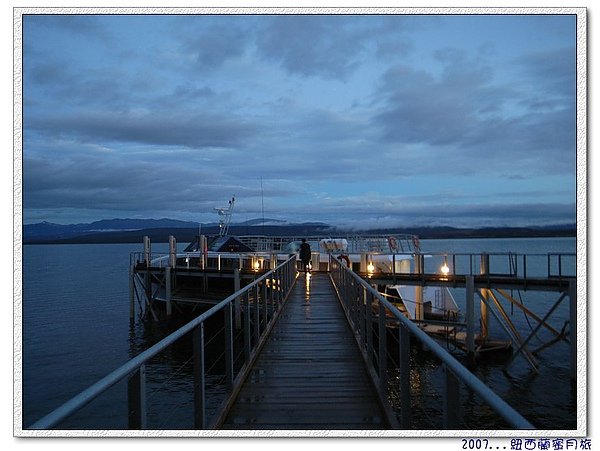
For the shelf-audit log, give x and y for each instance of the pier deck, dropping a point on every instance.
(309, 374)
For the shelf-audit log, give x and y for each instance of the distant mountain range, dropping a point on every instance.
(133, 231)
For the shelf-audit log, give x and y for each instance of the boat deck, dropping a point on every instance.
(310, 373)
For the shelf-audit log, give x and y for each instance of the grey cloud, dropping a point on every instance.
(80, 24)
(351, 212)
(463, 109)
(197, 131)
(555, 69)
(210, 48)
(332, 46)
(312, 45)
(421, 108)
(102, 181)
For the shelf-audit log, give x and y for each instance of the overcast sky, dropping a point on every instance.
(362, 120)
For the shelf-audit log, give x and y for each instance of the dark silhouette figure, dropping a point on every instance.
(305, 255)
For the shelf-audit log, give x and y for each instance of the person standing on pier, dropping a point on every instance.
(305, 255)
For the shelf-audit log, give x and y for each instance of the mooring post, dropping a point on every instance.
(237, 302)
(203, 251)
(147, 250)
(470, 318)
(573, 328)
(172, 251)
(204, 261)
(168, 290)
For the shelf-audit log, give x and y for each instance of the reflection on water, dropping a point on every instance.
(545, 399)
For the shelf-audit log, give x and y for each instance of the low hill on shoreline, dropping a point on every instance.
(126, 231)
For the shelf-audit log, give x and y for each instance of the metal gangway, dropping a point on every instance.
(258, 313)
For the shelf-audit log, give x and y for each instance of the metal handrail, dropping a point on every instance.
(508, 264)
(500, 406)
(76, 403)
(161, 259)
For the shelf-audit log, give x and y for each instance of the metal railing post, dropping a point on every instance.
(363, 317)
(237, 302)
(265, 298)
(199, 378)
(228, 316)
(256, 314)
(136, 399)
(247, 331)
(369, 329)
(382, 350)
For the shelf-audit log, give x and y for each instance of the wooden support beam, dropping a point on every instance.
(528, 312)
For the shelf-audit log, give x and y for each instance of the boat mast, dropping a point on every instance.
(225, 217)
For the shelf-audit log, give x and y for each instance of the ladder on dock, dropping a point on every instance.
(309, 374)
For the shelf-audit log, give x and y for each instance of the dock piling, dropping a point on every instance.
(147, 250)
(485, 270)
(168, 279)
(132, 292)
(419, 269)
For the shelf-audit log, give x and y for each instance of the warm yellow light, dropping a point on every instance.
(257, 265)
(370, 267)
(445, 270)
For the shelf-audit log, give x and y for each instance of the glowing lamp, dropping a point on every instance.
(370, 267)
(445, 270)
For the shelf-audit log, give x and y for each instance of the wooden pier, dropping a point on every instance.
(306, 354)
(310, 373)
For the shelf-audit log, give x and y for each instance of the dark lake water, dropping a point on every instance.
(76, 329)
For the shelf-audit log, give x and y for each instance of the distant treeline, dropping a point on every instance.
(184, 235)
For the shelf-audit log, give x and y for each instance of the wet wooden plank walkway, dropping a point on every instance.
(310, 374)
